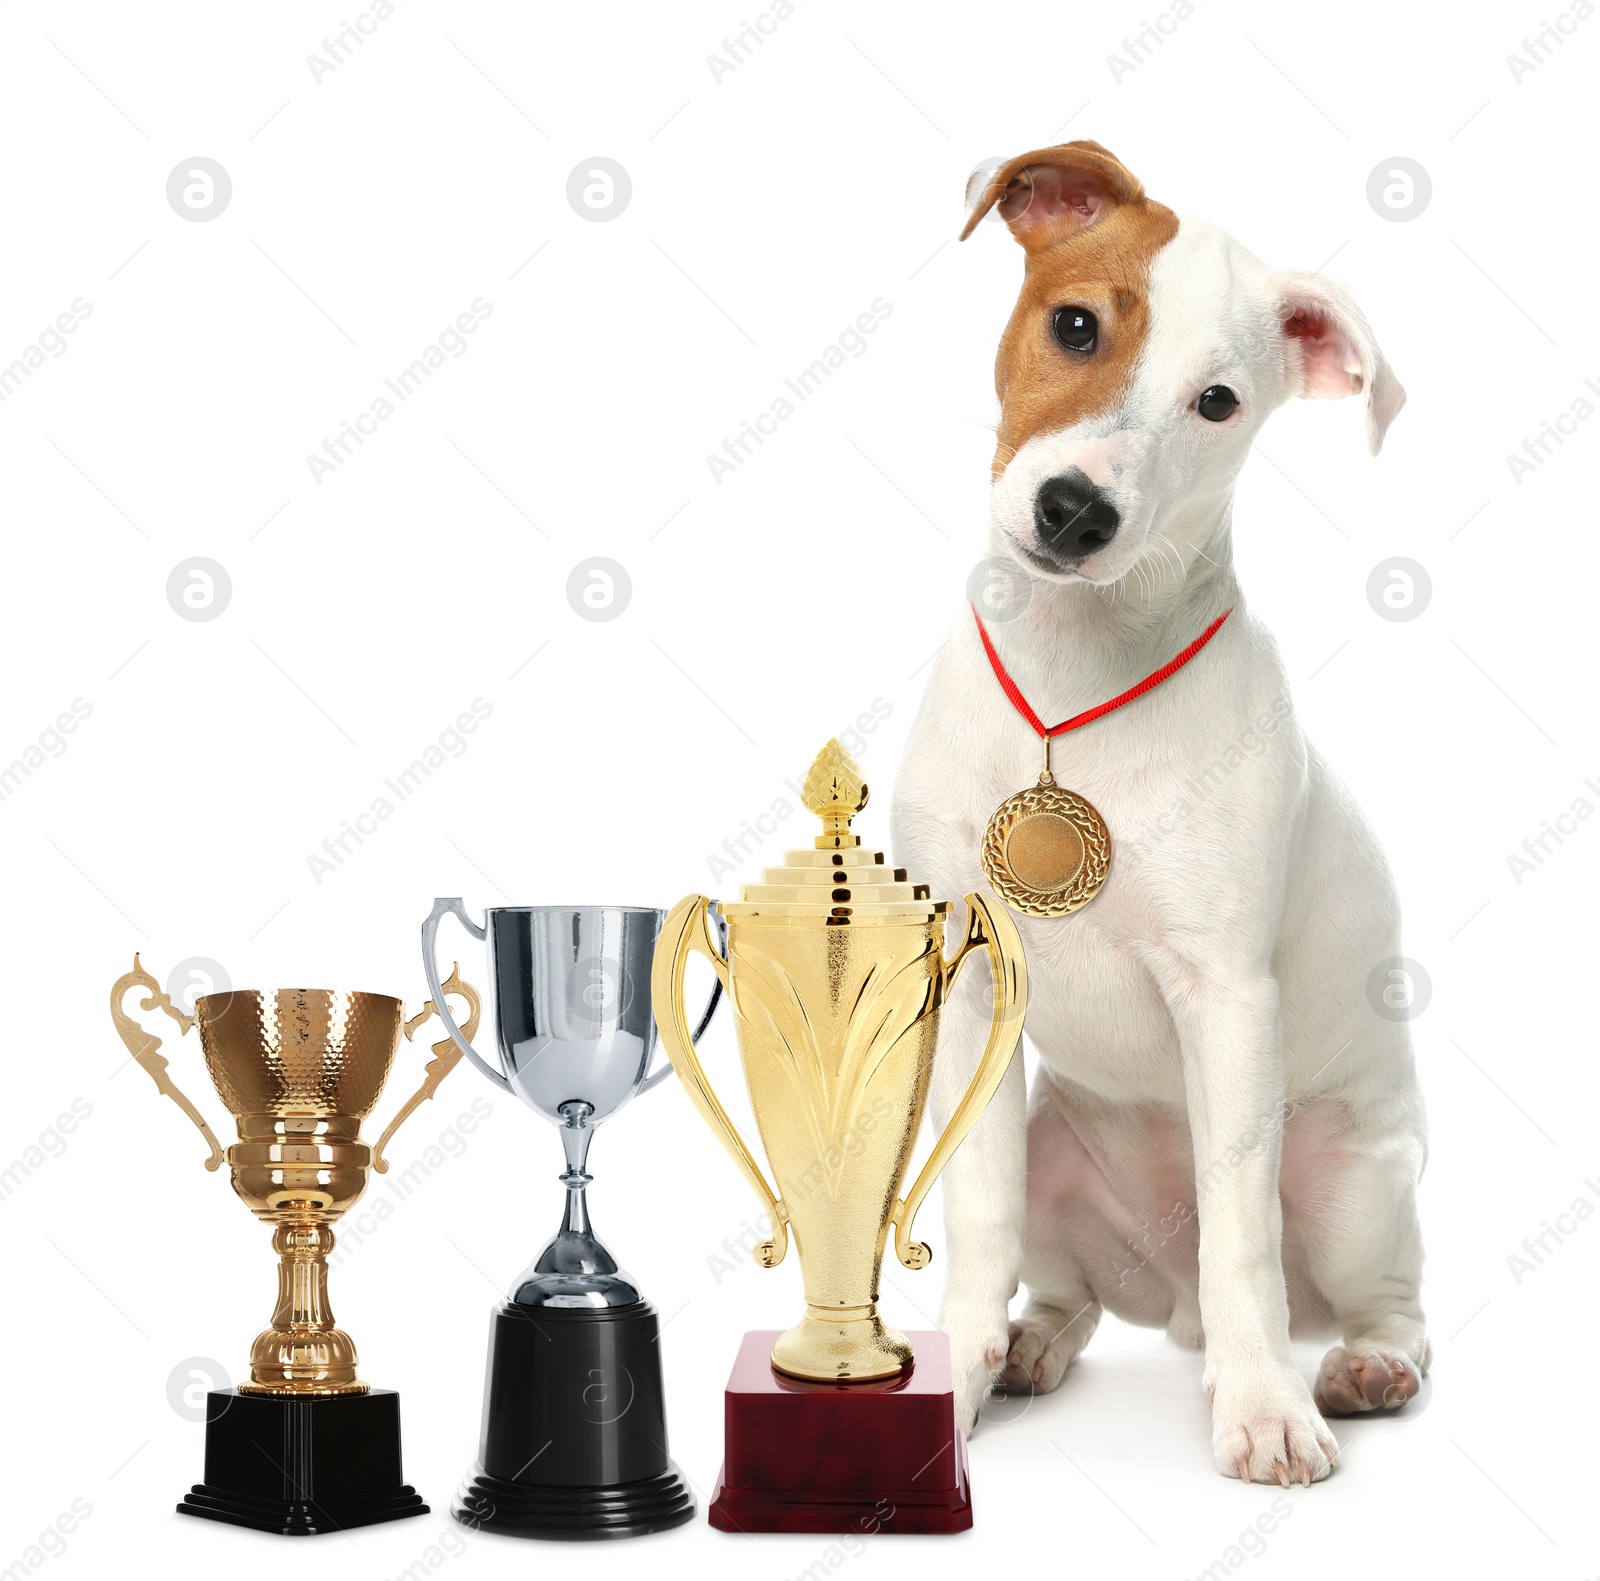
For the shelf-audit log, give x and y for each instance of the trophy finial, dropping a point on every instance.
(835, 791)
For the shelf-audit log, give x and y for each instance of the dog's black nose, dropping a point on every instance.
(1073, 518)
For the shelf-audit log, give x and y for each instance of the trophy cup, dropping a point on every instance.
(304, 1446)
(836, 972)
(574, 1435)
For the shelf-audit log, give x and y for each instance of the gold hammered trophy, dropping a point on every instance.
(836, 972)
(304, 1446)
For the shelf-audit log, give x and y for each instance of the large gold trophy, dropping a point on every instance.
(303, 1445)
(836, 972)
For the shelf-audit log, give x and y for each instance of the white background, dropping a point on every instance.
(769, 209)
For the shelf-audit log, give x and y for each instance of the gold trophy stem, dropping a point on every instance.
(303, 1352)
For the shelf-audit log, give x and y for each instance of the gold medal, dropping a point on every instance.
(1047, 851)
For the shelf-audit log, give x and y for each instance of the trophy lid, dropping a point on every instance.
(838, 881)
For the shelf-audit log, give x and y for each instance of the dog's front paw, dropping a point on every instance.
(979, 1341)
(1044, 1342)
(1269, 1431)
(1365, 1376)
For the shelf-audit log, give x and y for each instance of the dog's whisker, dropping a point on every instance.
(1167, 546)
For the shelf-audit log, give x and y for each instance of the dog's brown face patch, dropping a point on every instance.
(1104, 267)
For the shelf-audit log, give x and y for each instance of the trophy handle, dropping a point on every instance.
(446, 1056)
(991, 928)
(689, 927)
(430, 966)
(145, 1046)
(666, 1070)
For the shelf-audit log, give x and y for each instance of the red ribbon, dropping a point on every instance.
(1154, 679)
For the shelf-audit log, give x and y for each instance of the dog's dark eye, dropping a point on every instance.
(1216, 403)
(1076, 328)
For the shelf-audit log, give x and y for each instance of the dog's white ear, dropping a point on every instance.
(1332, 353)
(1051, 192)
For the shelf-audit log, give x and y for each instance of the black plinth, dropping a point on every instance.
(574, 1438)
(302, 1466)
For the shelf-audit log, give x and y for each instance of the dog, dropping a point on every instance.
(1226, 1132)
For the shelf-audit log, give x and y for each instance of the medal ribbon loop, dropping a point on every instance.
(1088, 716)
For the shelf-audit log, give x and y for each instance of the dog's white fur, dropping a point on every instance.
(1207, 1017)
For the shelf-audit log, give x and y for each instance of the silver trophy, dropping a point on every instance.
(574, 1433)
(572, 1013)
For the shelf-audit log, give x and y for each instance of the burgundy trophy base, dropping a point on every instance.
(842, 1457)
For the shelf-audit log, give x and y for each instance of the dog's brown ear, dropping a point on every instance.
(1332, 351)
(1051, 192)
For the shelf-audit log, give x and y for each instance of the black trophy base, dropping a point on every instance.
(301, 1467)
(625, 1509)
(574, 1443)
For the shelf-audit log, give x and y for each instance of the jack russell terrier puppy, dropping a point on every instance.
(1225, 1136)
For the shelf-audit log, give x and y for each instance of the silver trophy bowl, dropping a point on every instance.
(571, 996)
